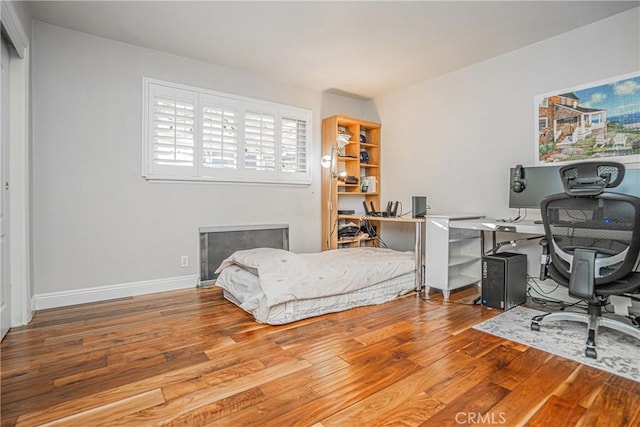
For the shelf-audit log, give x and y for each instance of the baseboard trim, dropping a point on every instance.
(103, 293)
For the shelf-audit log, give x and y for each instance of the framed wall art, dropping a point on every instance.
(592, 121)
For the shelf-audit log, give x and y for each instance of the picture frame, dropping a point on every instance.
(593, 121)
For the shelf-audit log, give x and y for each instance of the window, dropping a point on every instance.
(259, 141)
(543, 122)
(195, 134)
(219, 137)
(293, 144)
(172, 130)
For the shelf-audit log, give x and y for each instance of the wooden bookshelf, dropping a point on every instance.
(364, 136)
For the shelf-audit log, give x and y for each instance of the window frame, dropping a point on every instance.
(200, 173)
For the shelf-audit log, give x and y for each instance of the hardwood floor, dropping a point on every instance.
(190, 358)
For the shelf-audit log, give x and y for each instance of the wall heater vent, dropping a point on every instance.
(217, 243)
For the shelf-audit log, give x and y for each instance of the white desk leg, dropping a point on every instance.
(418, 257)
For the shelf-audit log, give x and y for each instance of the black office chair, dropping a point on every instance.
(593, 239)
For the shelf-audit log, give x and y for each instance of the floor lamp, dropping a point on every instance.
(329, 161)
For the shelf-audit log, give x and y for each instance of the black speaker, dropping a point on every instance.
(419, 206)
(504, 280)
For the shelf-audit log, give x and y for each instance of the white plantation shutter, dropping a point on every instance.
(173, 130)
(259, 141)
(220, 123)
(193, 134)
(294, 144)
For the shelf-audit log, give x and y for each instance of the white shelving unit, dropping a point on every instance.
(453, 255)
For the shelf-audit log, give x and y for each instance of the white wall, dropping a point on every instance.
(96, 222)
(454, 138)
(348, 106)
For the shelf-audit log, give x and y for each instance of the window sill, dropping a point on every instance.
(209, 180)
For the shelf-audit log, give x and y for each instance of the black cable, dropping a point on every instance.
(633, 297)
(382, 243)
(372, 232)
(524, 217)
(368, 228)
(576, 304)
(531, 279)
(582, 304)
(333, 227)
(427, 208)
(518, 218)
(546, 300)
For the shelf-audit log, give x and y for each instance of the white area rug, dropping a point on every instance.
(617, 353)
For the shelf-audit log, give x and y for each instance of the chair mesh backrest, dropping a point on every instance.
(607, 223)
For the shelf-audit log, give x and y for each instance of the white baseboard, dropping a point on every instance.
(103, 293)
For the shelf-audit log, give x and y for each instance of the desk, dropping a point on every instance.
(456, 244)
(488, 224)
(418, 238)
(493, 225)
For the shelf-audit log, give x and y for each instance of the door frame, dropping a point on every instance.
(20, 170)
(6, 302)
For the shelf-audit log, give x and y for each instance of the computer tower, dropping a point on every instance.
(504, 280)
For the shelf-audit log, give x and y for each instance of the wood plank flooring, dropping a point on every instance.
(189, 358)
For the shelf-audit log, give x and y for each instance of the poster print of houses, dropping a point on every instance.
(597, 121)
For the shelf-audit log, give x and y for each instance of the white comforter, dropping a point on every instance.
(286, 276)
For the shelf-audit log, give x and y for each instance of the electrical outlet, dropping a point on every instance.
(184, 261)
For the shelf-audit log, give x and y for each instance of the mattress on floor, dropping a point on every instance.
(286, 276)
(242, 288)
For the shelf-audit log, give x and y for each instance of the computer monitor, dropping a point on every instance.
(630, 184)
(541, 181)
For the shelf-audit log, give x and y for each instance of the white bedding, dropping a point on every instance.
(278, 286)
(243, 289)
(286, 276)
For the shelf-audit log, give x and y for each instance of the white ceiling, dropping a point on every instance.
(362, 48)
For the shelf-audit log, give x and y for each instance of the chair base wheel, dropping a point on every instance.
(591, 352)
(535, 326)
